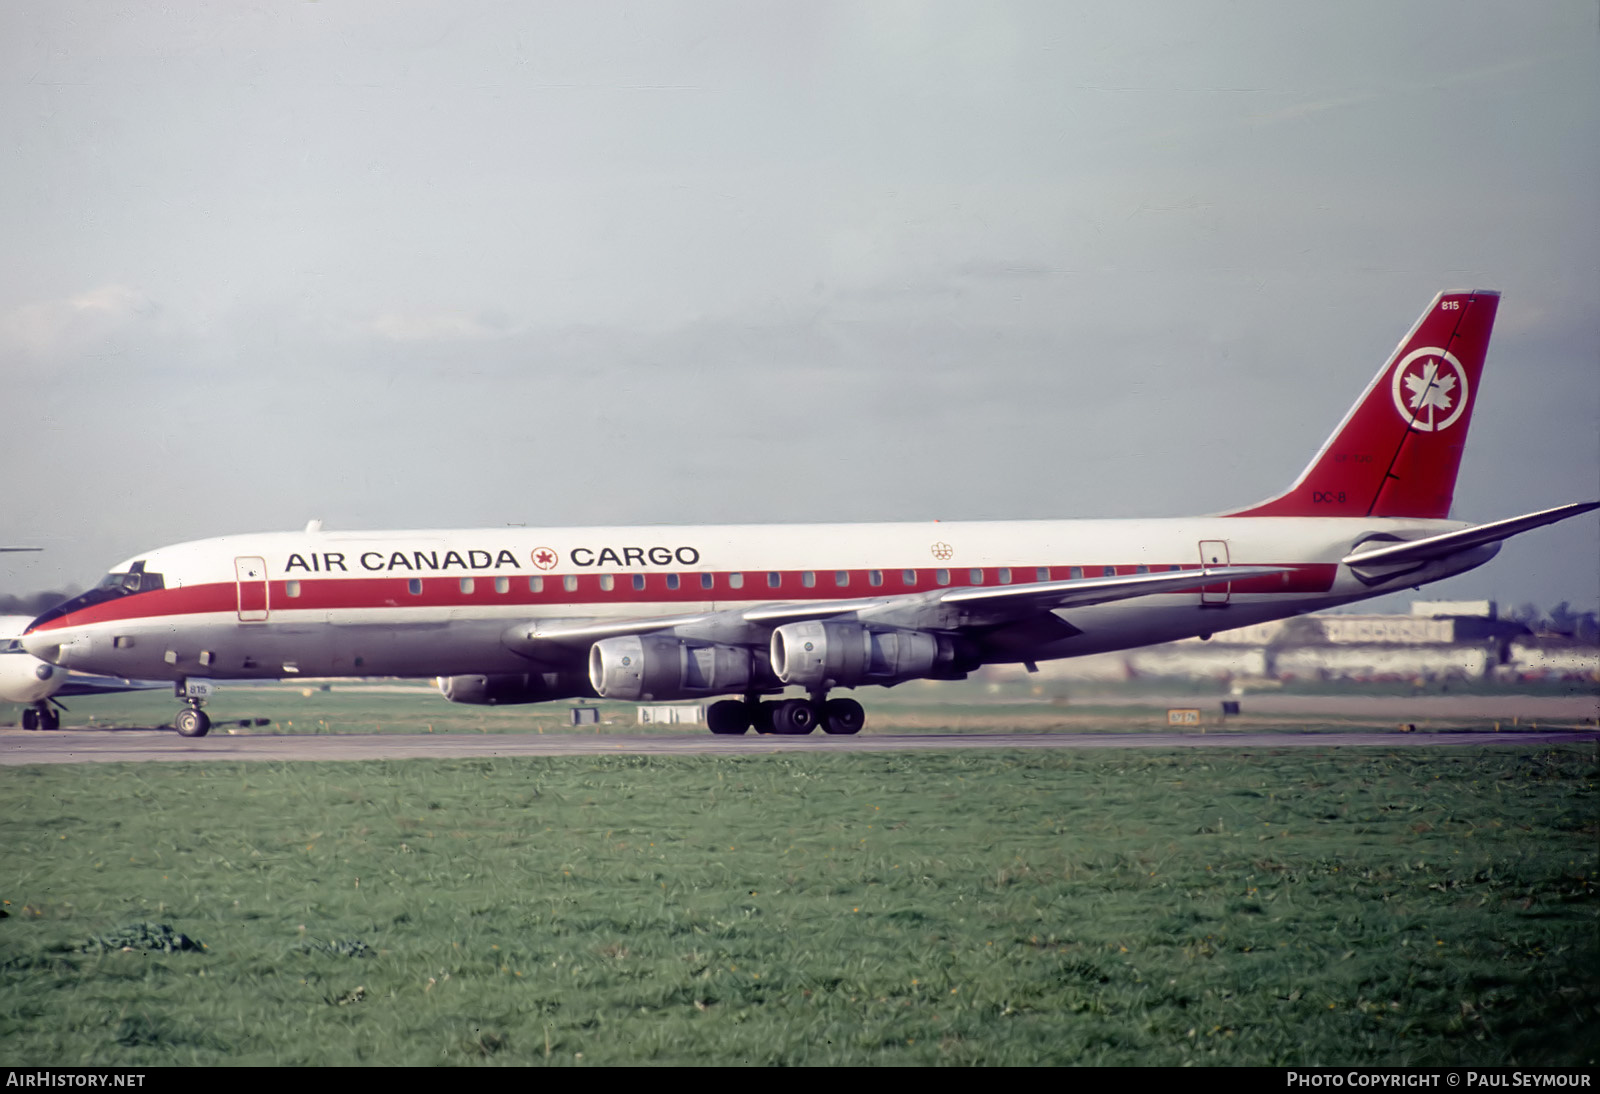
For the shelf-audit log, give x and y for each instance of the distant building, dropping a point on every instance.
(1392, 630)
(1439, 639)
(672, 715)
(1550, 659)
(1434, 609)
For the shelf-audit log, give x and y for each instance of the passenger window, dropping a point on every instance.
(974, 577)
(1075, 573)
(774, 579)
(672, 581)
(467, 584)
(908, 577)
(1143, 570)
(638, 583)
(570, 583)
(1110, 571)
(1042, 574)
(841, 578)
(874, 577)
(291, 588)
(536, 584)
(735, 580)
(502, 585)
(809, 579)
(415, 586)
(1005, 575)
(942, 577)
(706, 581)
(607, 583)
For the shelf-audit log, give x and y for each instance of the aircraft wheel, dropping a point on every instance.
(192, 723)
(49, 719)
(843, 716)
(794, 717)
(728, 717)
(30, 718)
(761, 716)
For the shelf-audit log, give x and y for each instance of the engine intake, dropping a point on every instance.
(659, 666)
(509, 688)
(819, 655)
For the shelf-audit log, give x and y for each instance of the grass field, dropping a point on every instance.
(1320, 906)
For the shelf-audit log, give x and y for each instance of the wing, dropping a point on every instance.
(83, 683)
(562, 642)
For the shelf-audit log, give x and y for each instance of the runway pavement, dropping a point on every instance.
(1411, 708)
(140, 746)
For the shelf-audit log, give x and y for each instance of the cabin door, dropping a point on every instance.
(1213, 553)
(250, 574)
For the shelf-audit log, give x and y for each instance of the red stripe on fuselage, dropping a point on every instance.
(376, 593)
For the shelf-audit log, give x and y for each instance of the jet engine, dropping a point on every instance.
(508, 688)
(818, 655)
(659, 666)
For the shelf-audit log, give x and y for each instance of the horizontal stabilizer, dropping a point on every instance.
(1441, 546)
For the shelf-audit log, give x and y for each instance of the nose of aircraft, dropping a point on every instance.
(45, 645)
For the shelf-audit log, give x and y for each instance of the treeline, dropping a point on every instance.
(34, 603)
(1560, 620)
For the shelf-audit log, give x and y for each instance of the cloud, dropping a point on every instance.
(77, 324)
(441, 326)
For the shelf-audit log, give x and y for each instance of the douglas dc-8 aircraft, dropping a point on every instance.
(663, 613)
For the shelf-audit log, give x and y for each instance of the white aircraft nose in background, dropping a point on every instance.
(26, 679)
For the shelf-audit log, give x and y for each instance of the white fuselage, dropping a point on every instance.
(439, 603)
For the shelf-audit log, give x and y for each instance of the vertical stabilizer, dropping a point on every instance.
(1397, 451)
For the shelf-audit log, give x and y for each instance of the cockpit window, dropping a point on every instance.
(135, 581)
(111, 587)
(122, 584)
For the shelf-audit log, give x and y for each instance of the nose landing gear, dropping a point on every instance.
(41, 716)
(192, 722)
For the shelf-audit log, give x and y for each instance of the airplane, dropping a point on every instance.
(40, 685)
(518, 615)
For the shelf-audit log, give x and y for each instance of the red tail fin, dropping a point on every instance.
(1397, 452)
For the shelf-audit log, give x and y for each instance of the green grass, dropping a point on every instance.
(1315, 906)
(922, 707)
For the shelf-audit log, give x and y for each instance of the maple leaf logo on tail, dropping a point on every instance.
(1438, 389)
(1428, 388)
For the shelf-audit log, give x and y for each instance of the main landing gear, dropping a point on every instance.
(786, 717)
(41, 716)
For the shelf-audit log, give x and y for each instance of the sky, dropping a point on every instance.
(399, 265)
